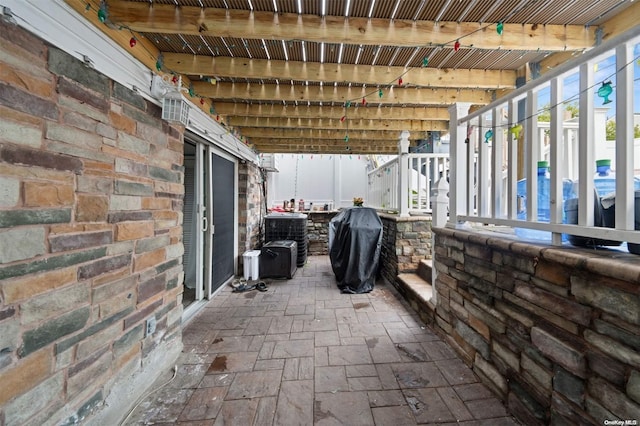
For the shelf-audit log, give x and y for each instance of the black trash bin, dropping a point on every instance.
(599, 219)
(610, 219)
(355, 239)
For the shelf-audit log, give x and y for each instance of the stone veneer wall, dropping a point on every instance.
(553, 331)
(405, 241)
(90, 238)
(251, 207)
(318, 232)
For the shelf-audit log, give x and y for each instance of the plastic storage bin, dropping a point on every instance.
(278, 259)
(251, 260)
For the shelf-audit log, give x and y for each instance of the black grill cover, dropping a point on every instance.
(355, 238)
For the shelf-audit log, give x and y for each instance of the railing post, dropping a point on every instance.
(440, 203)
(458, 165)
(403, 173)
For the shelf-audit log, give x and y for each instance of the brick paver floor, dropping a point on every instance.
(302, 353)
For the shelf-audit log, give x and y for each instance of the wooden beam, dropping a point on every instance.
(332, 123)
(145, 51)
(326, 134)
(375, 76)
(289, 93)
(618, 24)
(335, 112)
(214, 22)
(323, 148)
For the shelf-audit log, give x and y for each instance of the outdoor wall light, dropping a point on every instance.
(174, 106)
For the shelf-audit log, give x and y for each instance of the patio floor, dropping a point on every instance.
(302, 353)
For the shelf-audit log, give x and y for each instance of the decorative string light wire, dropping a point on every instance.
(103, 15)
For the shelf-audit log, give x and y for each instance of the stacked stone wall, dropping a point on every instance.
(553, 331)
(405, 242)
(318, 232)
(251, 207)
(91, 190)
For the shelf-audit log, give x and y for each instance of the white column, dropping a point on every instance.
(586, 146)
(557, 163)
(624, 138)
(512, 199)
(532, 151)
(337, 178)
(484, 161)
(458, 162)
(497, 163)
(403, 173)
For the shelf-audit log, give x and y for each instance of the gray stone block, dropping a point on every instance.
(13, 218)
(53, 303)
(66, 242)
(51, 263)
(20, 410)
(569, 385)
(164, 174)
(14, 98)
(633, 386)
(62, 63)
(54, 329)
(473, 338)
(559, 351)
(618, 303)
(103, 265)
(129, 96)
(133, 188)
(21, 244)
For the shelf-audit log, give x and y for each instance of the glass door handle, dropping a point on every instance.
(205, 224)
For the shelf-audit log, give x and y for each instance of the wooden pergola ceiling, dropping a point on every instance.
(281, 72)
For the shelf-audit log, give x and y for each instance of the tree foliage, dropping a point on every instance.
(611, 130)
(545, 114)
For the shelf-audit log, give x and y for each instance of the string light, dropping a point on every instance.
(102, 12)
(159, 62)
(605, 91)
(344, 117)
(488, 135)
(515, 130)
(103, 15)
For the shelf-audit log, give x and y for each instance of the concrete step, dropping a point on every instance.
(424, 269)
(418, 292)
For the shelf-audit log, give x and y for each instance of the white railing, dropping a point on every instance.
(382, 186)
(422, 171)
(491, 133)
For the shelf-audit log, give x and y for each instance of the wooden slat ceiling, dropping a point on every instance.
(282, 72)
